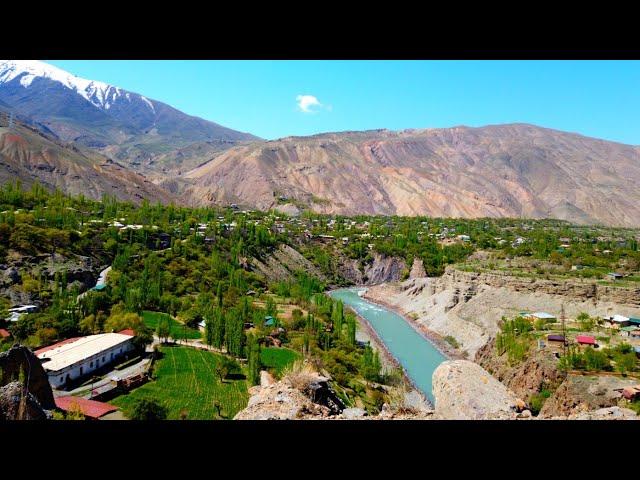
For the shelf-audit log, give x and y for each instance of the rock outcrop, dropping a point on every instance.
(19, 362)
(538, 371)
(463, 390)
(16, 403)
(417, 269)
(579, 394)
(282, 264)
(381, 269)
(610, 413)
(300, 395)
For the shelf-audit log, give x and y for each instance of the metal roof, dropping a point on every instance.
(542, 315)
(89, 408)
(585, 339)
(65, 354)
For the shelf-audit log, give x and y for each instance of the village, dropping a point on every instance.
(104, 366)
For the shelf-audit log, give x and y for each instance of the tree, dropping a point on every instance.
(625, 362)
(225, 366)
(351, 329)
(234, 332)
(337, 316)
(219, 294)
(586, 322)
(148, 409)
(163, 330)
(75, 412)
(253, 359)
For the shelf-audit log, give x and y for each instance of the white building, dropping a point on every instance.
(616, 321)
(540, 316)
(17, 312)
(78, 357)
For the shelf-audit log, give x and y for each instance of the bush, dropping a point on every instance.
(148, 409)
(536, 401)
(452, 341)
(595, 359)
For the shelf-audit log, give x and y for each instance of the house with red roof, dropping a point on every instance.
(4, 334)
(91, 409)
(586, 340)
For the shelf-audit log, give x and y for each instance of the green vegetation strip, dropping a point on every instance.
(186, 382)
(177, 329)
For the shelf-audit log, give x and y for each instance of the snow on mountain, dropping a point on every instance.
(100, 94)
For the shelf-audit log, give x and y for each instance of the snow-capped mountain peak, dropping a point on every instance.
(100, 94)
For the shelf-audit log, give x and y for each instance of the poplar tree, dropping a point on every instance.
(253, 359)
(219, 294)
(351, 329)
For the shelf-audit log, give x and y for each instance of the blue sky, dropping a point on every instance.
(274, 99)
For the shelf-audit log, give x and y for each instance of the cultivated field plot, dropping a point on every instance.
(278, 358)
(178, 330)
(186, 381)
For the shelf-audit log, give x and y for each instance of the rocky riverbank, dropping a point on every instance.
(445, 348)
(468, 306)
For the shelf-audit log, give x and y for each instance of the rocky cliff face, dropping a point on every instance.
(537, 372)
(18, 404)
(282, 264)
(20, 360)
(305, 396)
(579, 394)
(463, 390)
(381, 269)
(576, 290)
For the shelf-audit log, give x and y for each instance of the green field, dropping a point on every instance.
(277, 358)
(186, 380)
(178, 330)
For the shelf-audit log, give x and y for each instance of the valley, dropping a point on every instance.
(237, 283)
(156, 265)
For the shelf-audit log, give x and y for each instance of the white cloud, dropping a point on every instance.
(309, 104)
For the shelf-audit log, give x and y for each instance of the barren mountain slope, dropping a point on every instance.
(27, 155)
(495, 171)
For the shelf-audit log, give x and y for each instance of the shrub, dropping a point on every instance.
(452, 341)
(536, 401)
(148, 409)
(595, 359)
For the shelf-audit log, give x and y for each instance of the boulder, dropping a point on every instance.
(463, 390)
(353, 413)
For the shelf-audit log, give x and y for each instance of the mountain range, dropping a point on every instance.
(514, 170)
(122, 141)
(144, 134)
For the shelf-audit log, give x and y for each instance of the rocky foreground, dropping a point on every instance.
(463, 390)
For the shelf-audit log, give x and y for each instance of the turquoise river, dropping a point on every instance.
(415, 353)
